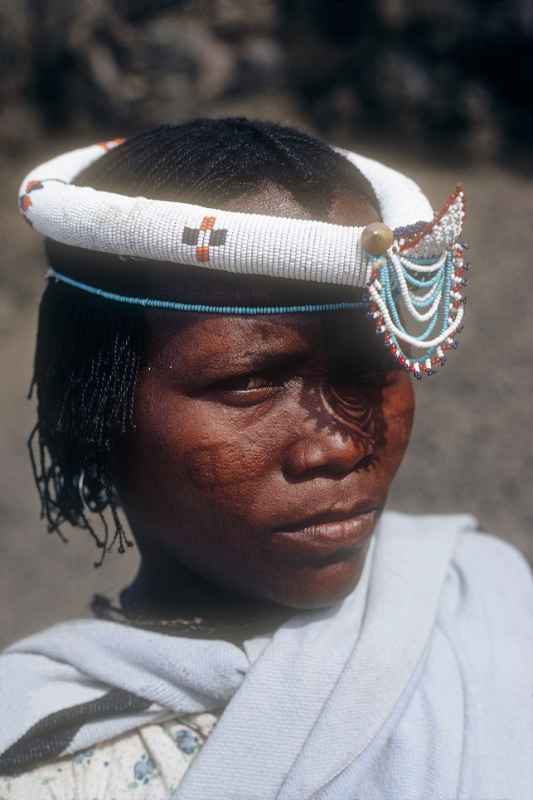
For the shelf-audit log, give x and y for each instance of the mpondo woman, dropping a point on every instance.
(284, 637)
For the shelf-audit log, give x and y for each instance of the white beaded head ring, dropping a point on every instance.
(411, 265)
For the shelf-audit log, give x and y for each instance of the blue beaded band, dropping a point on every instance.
(172, 305)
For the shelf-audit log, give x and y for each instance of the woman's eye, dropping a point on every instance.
(380, 370)
(247, 390)
(371, 378)
(245, 383)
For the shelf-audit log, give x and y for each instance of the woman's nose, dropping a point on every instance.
(334, 452)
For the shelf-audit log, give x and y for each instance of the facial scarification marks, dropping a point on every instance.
(348, 406)
(349, 410)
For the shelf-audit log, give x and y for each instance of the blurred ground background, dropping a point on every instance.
(440, 90)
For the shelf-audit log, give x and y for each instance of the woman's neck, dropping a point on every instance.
(165, 590)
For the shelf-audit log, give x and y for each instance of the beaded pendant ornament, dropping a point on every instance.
(420, 277)
(411, 264)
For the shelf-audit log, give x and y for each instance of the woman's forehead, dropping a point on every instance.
(203, 341)
(199, 335)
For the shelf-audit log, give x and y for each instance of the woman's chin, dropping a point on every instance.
(319, 585)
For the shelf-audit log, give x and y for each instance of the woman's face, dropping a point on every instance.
(264, 449)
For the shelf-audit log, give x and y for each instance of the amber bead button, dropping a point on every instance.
(377, 238)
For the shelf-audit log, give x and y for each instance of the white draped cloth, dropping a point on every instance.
(417, 686)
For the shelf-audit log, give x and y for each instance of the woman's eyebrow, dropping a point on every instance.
(253, 359)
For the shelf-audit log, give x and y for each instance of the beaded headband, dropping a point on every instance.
(411, 264)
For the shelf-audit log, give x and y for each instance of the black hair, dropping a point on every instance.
(89, 350)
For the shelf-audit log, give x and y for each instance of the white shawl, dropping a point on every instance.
(417, 686)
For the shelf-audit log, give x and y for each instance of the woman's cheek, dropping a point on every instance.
(206, 443)
(221, 445)
(227, 458)
(398, 413)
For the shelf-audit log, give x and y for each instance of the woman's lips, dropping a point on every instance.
(326, 542)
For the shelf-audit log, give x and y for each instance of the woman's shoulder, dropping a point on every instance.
(487, 578)
(482, 553)
(489, 559)
(488, 590)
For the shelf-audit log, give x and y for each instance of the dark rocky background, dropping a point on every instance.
(450, 77)
(440, 90)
